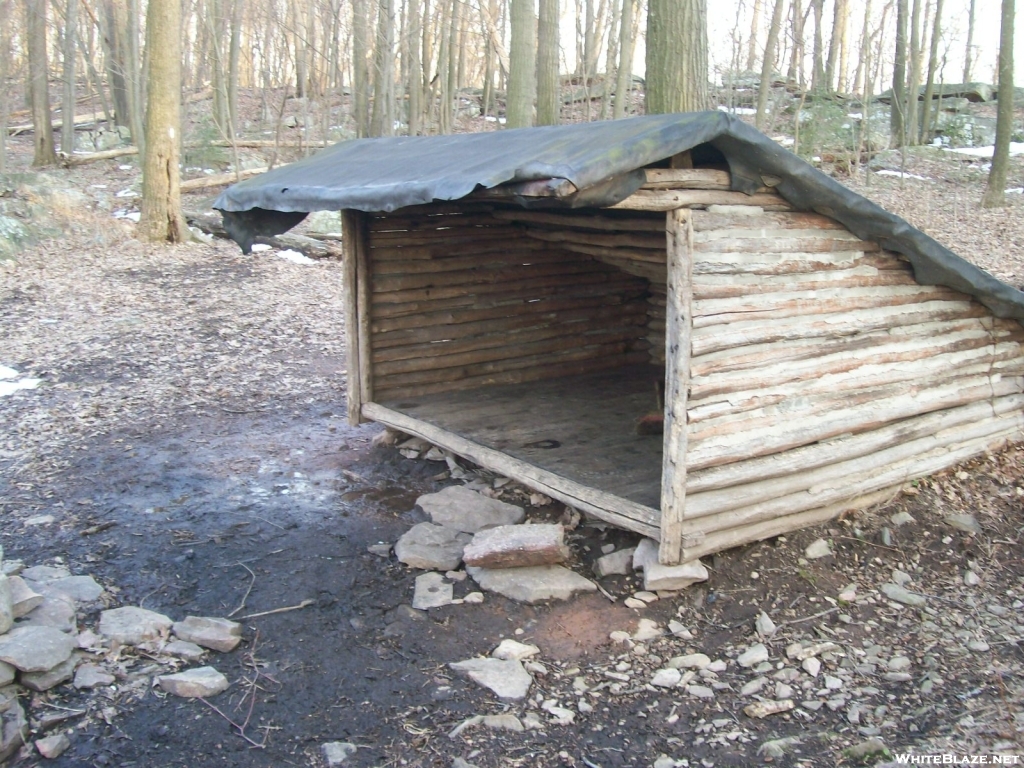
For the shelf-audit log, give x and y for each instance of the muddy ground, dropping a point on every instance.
(189, 442)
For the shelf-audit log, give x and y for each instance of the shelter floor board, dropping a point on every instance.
(582, 428)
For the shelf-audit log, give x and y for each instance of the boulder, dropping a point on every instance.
(218, 634)
(194, 683)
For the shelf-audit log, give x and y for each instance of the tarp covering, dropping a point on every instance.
(390, 173)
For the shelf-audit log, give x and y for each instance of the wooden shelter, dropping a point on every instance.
(807, 370)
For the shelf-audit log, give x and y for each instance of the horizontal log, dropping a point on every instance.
(632, 240)
(847, 447)
(515, 295)
(925, 457)
(219, 179)
(653, 272)
(395, 390)
(763, 232)
(633, 254)
(541, 188)
(719, 220)
(607, 223)
(860, 277)
(415, 260)
(564, 350)
(740, 333)
(610, 277)
(604, 506)
(687, 178)
(410, 342)
(76, 159)
(749, 265)
(773, 306)
(755, 356)
(802, 244)
(669, 200)
(792, 433)
(422, 222)
(470, 279)
(436, 237)
(437, 360)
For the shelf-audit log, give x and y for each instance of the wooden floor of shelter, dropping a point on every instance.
(580, 427)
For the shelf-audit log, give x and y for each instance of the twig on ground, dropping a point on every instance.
(240, 728)
(808, 618)
(246, 595)
(303, 604)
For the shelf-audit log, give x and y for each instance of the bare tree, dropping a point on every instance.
(360, 66)
(818, 81)
(995, 191)
(624, 76)
(898, 103)
(39, 89)
(969, 47)
(6, 10)
(677, 56)
(914, 77)
(382, 119)
(67, 108)
(755, 24)
(548, 96)
(933, 64)
(522, 65)
(768, 63)
(161, 218)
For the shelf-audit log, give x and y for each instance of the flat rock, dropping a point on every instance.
(337, 752)
(965, 523)
(6, 604)
(754, 655)
(13, 726)
(23, 598)
(131, 625)
(647, 629)
(618, 563)
(503, 723)
(431, 547)
(764, 625)
(183, 649)
(462, 509)
(209, 632)
(817, 549)
(509, 649)
(194, 683)
(517, 546)
(667, 678)
(898, 594)
(7, 674)
(665, 577)
(507, 679)
(432, 591)
(51, 678)
(41, 574)
(690, 661)
(762, 709)
(902, 518)
(57, 611)
(54, 746)
(700, 691)
(35, 649)
(89, 676)
(84, 589)
(533, 584)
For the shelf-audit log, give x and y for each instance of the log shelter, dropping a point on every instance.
(813, 351)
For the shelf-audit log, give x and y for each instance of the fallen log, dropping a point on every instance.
(220, 179)
(313, 247)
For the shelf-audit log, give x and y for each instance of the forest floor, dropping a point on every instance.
(188, 448)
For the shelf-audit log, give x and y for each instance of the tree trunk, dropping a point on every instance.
(795, 73)
(898, 103)
(995, 192)
(234, 57)
(360, 68)
(522, 65)
(929, 85)
(414, 84)
(444, 106)
(611, 58)
(914, 78)
(768, 63)
(624, 76)
(818, 66)
(968, 49)
(161, 218)
(589, 43)
(755, 23)
(677, 56)
(67, 109)
(548, 101)
(134, 70)
(862, 72)
(5, 68)
(382, 121)
(39, 89)
(842, 29)
(834, 45)
(454, 53)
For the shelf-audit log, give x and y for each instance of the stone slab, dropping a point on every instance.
(45, 573)
(56, 610)
(13, 726)
(465, 510)
(517, 546)
(7, 673)
(431, 547)
(512, 649)
(433, 590)
(84, 589)
(507, 679)
(194, 683)
(35, 649)
(131, 625)
(533, 584)
(52, 747)
(23, 597)
(618, 563)
(209, 632)
(184, 650)
(89, 676)
(51, 678)
(6, 604)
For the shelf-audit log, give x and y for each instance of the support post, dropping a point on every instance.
(356, 276)
(679, 324)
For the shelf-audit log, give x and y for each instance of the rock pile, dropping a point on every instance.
(42, 647)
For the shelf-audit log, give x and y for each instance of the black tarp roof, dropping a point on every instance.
(390, 173)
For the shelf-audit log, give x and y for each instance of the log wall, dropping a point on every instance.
(460, 298)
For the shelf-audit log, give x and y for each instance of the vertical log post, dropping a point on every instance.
(679, 323)
(356, 275)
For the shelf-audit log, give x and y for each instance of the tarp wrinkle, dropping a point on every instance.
(603, 160)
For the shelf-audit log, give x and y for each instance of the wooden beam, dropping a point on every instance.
(350, 227)
(670, 199)
(679, 319)
(600, 504)
(364, 287)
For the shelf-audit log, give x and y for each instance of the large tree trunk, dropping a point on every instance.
(933, 64)
(863, 67)
(624, 76)
(360, 68)
(898, 103)
(795, 73)
(995, 192)
(677, 56)
(161, 196)
(414, 83)
(67, 109)
(6, 7)
(914, 77)
(39, 88)
(755, 24)
(768, 63)
(522, 65)
(548, 101)
(968, 48)
(818, 65)
(382, 121)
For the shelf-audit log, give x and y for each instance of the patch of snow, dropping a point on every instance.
(123, 213)
(127, 193)
(901, 174)
(786, 141)
(124, 167)
(7, 373)
(260, 247)
(295, 257)
(1015, 191)
(492, 119)
(1016, 148)
(856, 115)
(738, 110)
(97, 186)
(9, 387)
